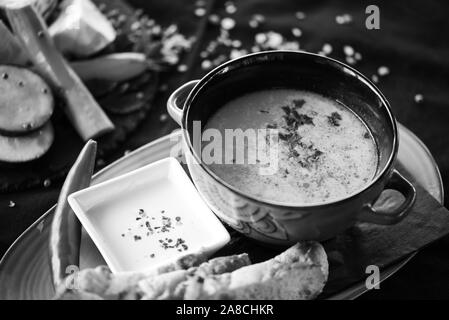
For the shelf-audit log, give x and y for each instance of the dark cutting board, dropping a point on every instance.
(55, 164)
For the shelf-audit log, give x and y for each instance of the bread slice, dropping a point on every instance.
(100, 282)
(162, 283)
(170, 286)
(300, 273)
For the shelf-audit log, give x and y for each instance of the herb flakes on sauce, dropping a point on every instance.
(151, 226)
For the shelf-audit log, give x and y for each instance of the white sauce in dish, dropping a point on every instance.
(141, 236)
(148, 218)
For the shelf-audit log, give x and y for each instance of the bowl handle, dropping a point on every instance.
(176, 101)
(386, 217)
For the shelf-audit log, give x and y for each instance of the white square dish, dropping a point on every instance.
(147, 218)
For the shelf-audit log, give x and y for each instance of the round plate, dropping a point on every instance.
(24, 270)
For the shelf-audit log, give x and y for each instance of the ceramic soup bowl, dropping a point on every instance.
(272, 222)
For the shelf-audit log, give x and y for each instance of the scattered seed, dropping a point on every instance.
(122, 18)
(135, 26)
(206, 65)
(383, 71)
(200, 12)
(12, 204)
(253, 24)
(212, 46)
(375, 78)
(230, 7)
(339, 20)
(146, 36)
(327, 48)
(124, 87)
(343, 19)
(5, 76)
(47, 183)
(274, 39)
(237, 53)
(214, 19)
(261, 38)
(300, 15)
(259, 18)
(163, 118)
(40, 34)
(256, 20)
(228, 23)
(102, 7)
(200, 3)
(100, 163)
(348, 50)
(219, 60)
(297, 32)
(419, 98)
(182, 68)
(236, 43)
(351, 61)
(358, 56)
(255, 49)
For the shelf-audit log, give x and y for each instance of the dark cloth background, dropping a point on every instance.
(413, 42)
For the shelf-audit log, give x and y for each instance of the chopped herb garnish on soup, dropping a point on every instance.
(315, 162)
(334, 119)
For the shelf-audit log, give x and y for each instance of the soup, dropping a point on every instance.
(325, 152)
